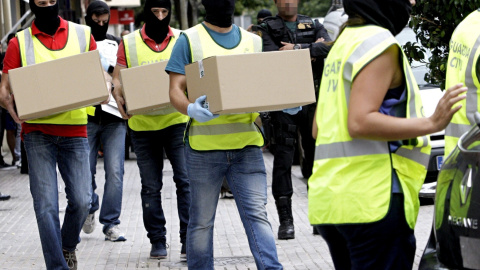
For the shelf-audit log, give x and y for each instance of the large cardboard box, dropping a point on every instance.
(253, 82)
(58, 86)
(145, 88)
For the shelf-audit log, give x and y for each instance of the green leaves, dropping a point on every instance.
(434, 22)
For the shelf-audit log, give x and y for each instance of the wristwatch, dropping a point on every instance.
(297, 47)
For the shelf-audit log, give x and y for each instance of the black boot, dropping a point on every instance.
(284, 208)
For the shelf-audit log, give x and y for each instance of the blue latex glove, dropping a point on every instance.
(198, 112)
(292, 111)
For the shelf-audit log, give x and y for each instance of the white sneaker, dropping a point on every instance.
(114, 234)
(17, 163)
(89, 225)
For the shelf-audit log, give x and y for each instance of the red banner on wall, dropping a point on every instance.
(126, 16)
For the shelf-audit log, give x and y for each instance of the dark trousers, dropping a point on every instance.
(149, 147)
(285, 128)
(385, 244)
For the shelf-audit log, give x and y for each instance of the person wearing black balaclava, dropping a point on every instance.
(221, 146)
(107, 130)
(58, 140)
(156, 132)
(290, 31)
(372, 149)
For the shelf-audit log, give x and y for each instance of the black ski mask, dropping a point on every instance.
(46, 18)
(390, 14)
(157, 29)
(99, 32)
(219, 12)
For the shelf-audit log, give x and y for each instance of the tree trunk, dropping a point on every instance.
(193, 12)
(183, 14)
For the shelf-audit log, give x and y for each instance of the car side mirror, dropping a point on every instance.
(476, 116)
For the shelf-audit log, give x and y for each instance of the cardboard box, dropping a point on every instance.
(145, 88)
(253, 82)
(58, 86)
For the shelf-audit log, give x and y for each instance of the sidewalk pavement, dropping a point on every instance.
(20, 243)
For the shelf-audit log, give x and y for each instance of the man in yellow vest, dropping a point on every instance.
(464, 66)
(151, 134)
(221, 146)
(372, 147)
(60, 139)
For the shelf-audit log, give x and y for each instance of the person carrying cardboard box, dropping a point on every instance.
(60, 139)
(151, 134)
(221, 146)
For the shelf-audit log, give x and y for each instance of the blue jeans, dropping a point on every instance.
(44, 152)
(245, 173)
(112, 137)
(149, 146)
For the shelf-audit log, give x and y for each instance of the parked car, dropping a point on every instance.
(455, 239)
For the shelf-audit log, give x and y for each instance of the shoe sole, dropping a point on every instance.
(157, 257)
(286, 237)
(119, 239)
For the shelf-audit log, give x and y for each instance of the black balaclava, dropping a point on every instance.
(97, 7)
(157, 29)
(219, 12)
(262, 14)
(390, 14)
(46, 18)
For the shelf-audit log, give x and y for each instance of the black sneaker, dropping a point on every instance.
(5, 167)
(4, 197)
(159, 250)
(71, 259)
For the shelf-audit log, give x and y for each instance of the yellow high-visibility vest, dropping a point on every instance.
(462, 66)
(227, 132)
(32, 51)
(351, 181)
(138, 53)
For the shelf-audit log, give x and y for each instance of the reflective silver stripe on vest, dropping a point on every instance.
(166, 111)
(257, 45)
(80, 30)
(456, 130)
(29, 51)
(414, 154)
(195, 44)
(472, 93)
(360, 51)
(356, 147)
(412, 105)
(222, 129)
(132, 50)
